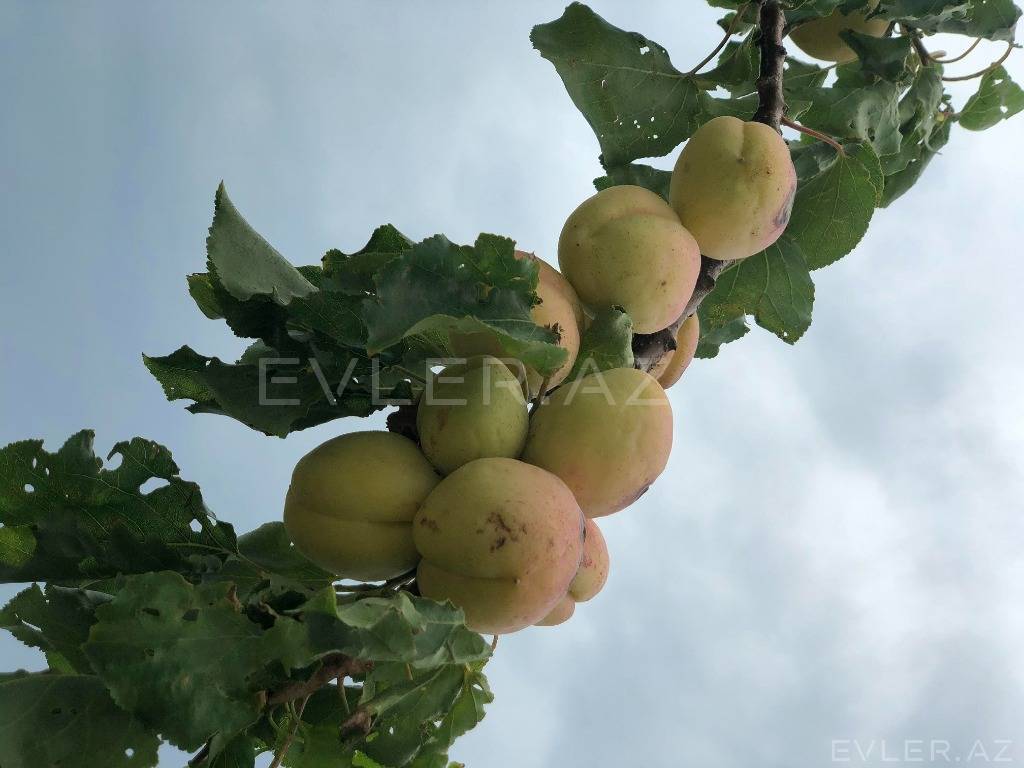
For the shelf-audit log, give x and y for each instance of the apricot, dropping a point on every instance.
(672, 366)
(625, 247)
(733, 187)
(500, 539)
(472, 410)
(589, 579)
(351, 503)
(820, 38)
(608, 435)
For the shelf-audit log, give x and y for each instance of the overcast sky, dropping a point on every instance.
(833, 556)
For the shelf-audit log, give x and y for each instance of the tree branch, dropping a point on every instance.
(334, 665)
(648, 349)
(771, 100)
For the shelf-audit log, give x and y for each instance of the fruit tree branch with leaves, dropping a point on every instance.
(355, 631)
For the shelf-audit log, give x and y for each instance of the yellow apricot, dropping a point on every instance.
(733, 187)
(672, 366)
(593, 571)
(472, 410)
(500, 539)
(820, 38)
(560, 614)
(351, 503)
(608, 435)
(625, 247)
(589, 579)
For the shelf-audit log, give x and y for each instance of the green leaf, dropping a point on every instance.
(400, 628)
(884, 57)
(240, 752)
(54, 621)
(353, 273)
(182, 659)
(990, 19)
(437, 289)
(856, 111)
(712, 337)
(998, 98)
(279, 394)
(645, 176)
(774, 286)
(607, 343)
(637, 102)
(89, 522)
(59, 721)
(898, 183)
(833, 208)
(245, 264)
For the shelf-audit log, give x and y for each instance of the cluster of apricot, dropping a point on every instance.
(494, 506)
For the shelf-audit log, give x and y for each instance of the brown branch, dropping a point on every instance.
(771, 100)
(334, 665)
(648, 349)
(919, 47)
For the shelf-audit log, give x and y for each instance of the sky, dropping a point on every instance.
(828, 572)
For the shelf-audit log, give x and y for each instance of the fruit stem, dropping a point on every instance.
(771, 99)
(816, 134)
(961, 57)
(292, 730)
(728, 35)
(981, 73)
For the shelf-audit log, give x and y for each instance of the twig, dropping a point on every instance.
(728, 35)
(919, 47)
(648, 349)
(771, 100)
(200, 756)
(981, 73)
(539, 399)
(335, 665)
(961, 57)
(494, 643)
(287, 744)
(816, 134)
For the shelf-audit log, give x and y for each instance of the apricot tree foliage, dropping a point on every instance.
(158, 623)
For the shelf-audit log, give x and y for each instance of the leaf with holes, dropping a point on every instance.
(637, 102)
(77, 520)
(997, 99)
(56, 721)
(183, 659)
